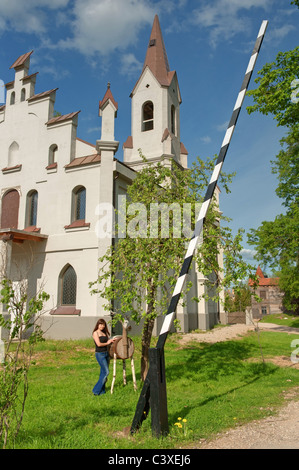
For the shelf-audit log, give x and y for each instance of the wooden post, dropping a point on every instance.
(114, 372)
(133, 374)
(158, 398)
(124, 372)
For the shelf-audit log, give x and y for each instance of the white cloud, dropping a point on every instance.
(101, 26)
(94, 129)
(207, 139)
(248, 254)
(130, 66)
(276, 34)
(222, 127)
(225, 18)
(29, 17)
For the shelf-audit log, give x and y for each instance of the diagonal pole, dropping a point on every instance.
(143, 404)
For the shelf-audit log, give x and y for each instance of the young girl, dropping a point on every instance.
(101, 339)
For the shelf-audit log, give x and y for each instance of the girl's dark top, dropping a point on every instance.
(103, 339)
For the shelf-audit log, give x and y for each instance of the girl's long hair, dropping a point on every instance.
(101, 321)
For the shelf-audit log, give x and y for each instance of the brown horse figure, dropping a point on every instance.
(123, 348)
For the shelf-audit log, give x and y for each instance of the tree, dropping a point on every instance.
(23, 333)
(276, 242)
(238, 299)
(141, 269)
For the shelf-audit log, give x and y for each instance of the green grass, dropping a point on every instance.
(212, 386)
(282, 319)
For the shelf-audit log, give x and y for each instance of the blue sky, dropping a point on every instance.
(80, 45)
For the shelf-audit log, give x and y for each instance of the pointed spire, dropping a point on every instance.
(108, 96)
(156, 57)
(259, 272)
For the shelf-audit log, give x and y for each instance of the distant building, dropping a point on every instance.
(270, 295)
(51, 183)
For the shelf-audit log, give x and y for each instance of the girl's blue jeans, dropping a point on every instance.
(103, 360)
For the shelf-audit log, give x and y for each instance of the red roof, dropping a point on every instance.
(183, 149)
(108, 96)
(156, 57)
(128, 143)
(264, 281)
(42, 95)
(21, 60)
(65, 117)
(96, 158)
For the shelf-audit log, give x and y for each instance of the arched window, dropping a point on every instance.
(147, 116)
(67, 286)
(79, 203)
(31, 212)
(172, 111)
(10, 209)
(13, 155)
(12, 98)
(23, 94)
(52, 154)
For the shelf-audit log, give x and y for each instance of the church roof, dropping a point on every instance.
(65, 117)
(108, 96)
(156, 57)
(21, 60)
(264, 281)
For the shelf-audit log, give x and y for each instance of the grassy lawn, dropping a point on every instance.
(212, 386)
(282, 319)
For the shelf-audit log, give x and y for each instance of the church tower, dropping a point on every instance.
(155, 120)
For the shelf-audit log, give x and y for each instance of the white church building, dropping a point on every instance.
(51, 183)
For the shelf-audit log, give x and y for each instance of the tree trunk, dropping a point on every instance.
(146, 342)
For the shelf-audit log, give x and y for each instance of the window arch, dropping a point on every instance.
(172, 116)
(147, 116)
(31, 211)
(10, 209)
(12, 98)
(67, 286)
(79, 203)
(23, 94)
(52, 158)
(13, 155)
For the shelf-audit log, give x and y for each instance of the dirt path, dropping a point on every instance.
(280, 431)
(233, 332)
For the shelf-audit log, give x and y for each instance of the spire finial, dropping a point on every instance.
(108, 85)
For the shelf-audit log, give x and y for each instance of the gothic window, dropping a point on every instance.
(23, 94)
(147, 116)
(13, 155)
(79, 203)
(10, 209)
(32, 199)
(68, 286)
(52, 154)
(172, 119)
(12, 98)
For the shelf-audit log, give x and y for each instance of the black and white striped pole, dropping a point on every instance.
(153, 393)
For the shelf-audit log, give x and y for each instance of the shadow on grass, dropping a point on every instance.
(210, 360)
(220, 363)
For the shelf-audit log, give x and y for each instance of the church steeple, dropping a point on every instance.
(155, 109)
(156, 56)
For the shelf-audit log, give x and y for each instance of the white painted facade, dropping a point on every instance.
(41, 157)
